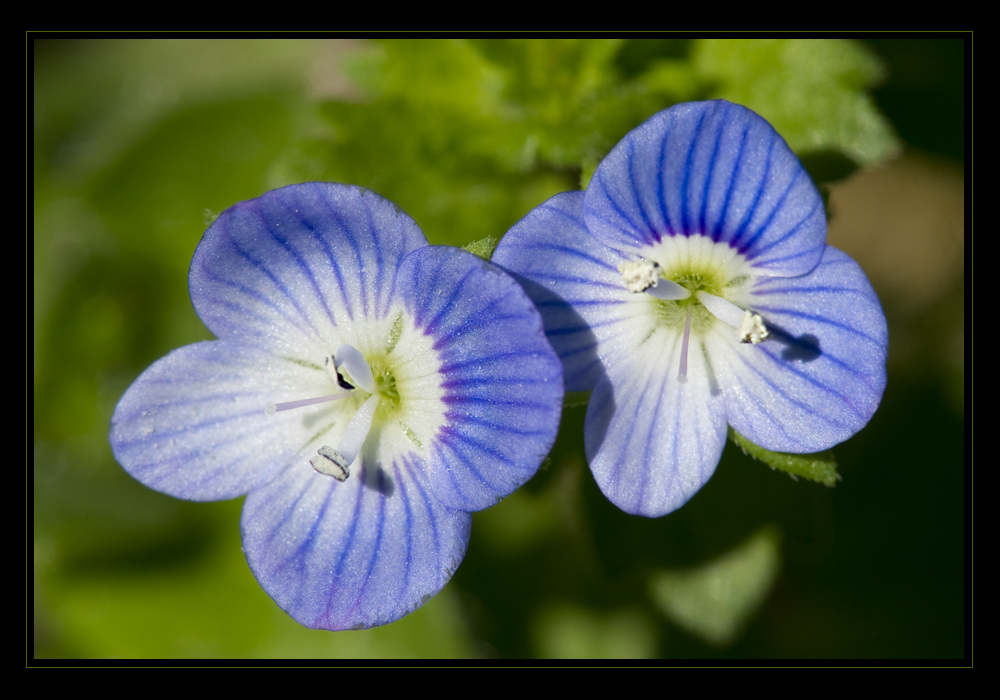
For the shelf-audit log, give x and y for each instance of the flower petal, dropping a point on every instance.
(573, 281)
(819, 377)
(651, 440)
(193, 425)
(502, 381)
(714, 169)
(354, 554)
(282, 271)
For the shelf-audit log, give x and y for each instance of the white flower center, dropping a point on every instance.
(402, 379)
(348, 361)
(696, 282)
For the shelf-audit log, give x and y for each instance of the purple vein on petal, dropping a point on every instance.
(381, 501)
(404, 497)
(740, 229)
(786, 367)
(447, 443)
(776, 207)
(463, 436)
(275, 530)
(444, 311)
(792, 231)
(347, 235)
(823, 320)
(685, 187)
(276, 281)
(474, 363)
(296, 255)
(713, 164)
(718, 230)
(379, 284)
(250, 311)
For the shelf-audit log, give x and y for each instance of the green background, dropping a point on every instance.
(138, 144)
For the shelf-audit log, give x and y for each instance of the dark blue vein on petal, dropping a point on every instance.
(348, 237)
(713, 162)
(792, 232)
(775, 208)
(734, 177)
(786, 367)
(418, 477)
(379, 267)
(620, 466)
(475, 363)
(303, 265)
(467, 419)
(461, 435)
(276, 281)
(250, 312)
(762, 183)
(431, 327)
(475, 380)
(404, 497)
(447, 441)
(823, 320)
(562, 250)
(381, 503)
(639, 206)
(686, 180)
(483, 318)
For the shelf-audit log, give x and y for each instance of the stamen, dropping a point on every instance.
(639, 275)
(644, 276)
(271, 408)
(357, 430)
(668, 290)
(682, 374)
(752, 329)
(330, 365)
(331, 463)
(350, 358)
(724, 310)
(749, 326)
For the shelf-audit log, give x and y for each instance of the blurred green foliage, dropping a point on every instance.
(138, 144)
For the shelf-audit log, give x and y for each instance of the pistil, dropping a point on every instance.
(272, 408)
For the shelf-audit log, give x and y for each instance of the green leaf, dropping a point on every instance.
(564, 631)
(717, 599)
(483, 247)
(812, 91)
(818, 466)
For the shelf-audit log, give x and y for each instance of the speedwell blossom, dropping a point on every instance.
(366, 391)
(691, 287)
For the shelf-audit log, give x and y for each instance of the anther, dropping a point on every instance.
(639, 275)
(350, 358)
(752, 329)
(644, 276)
(330, 365)
(331, 463)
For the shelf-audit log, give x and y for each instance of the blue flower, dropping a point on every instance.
(367, 392)
(691, 287)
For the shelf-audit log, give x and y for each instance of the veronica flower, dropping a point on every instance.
(367, 392)
(691, 287)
